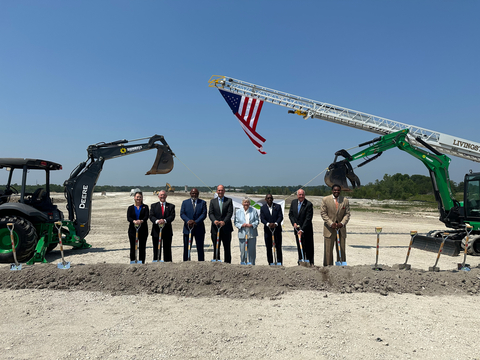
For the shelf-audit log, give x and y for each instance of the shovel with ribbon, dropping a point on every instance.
(274, 247)
(339, 262)
(136, 261)
(14, 266)
(64, 264)
(159, 250)
(216, 256)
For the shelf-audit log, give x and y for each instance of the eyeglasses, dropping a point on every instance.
(269, 198)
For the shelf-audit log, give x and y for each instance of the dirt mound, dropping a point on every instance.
(195, 279)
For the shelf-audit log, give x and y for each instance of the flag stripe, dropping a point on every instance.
(247, 110)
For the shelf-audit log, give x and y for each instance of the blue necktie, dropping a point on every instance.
(299, 206)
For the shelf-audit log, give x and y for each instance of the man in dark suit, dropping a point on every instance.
(220, 213)
(193, 212)
(301, 214)
(162, 215)
(271, 216)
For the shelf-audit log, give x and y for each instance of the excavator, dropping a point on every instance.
(34, 215)
(454, 214)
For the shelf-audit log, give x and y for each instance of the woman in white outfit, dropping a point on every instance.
(246, 220)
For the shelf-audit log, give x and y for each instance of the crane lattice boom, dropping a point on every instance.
(307, 108)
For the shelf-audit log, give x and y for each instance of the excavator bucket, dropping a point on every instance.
(338, 173)
(163, 162)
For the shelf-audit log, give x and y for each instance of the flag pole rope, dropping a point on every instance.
(195, 174)
(301, 187)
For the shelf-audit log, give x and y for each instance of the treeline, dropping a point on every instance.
(402, 187)
(396, 187)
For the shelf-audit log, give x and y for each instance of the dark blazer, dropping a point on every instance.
(144, 213)
(302, 218)
(275, 217)
(199, 215)
(225, 216)
(156, 214)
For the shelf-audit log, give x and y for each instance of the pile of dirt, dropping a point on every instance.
(194, 279)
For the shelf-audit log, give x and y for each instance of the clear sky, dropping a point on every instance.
(75, 73)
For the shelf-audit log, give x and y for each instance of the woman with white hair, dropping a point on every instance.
(246, 220)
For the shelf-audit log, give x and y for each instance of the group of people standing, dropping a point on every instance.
(335, 211)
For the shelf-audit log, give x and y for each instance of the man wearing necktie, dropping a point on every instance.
(301, 215)
(162, 215)
(193, 212)
(335, 212)
(220, 213)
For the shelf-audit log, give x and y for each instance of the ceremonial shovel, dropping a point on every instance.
(378, 230)
(136, 261)
(159, 253)
(64, 264)
(463, 266)
(434, 267)
(406, 266)
(339, 263)
(274, 249)
(189, 240)
(217, 254)
(302, 262)
(14, 266)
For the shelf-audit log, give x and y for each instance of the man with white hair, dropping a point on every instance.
(301, 215)
(162, 215)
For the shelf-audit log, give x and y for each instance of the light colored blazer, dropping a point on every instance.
(240, 220)
(330, 214)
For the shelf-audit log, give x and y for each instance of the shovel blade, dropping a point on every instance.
(15, 267)
(64, 265)
(156, 261)
(338, 173)
(163, 162)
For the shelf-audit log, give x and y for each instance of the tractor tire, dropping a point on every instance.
(25, 238)
(473, 245)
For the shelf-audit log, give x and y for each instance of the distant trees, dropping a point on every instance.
(396, 187)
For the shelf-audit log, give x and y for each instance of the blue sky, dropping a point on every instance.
(81, 72)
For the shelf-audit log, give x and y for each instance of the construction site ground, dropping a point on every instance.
(105, 308)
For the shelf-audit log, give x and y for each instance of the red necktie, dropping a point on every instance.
(162, 209)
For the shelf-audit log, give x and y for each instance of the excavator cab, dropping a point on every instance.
(339, 171)
(163, 162)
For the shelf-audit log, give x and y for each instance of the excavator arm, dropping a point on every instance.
(81, 183)
(451, 212)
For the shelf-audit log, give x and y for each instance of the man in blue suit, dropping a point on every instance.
(193, 212)
(271, 217)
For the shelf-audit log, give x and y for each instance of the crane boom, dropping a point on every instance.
(307, 108)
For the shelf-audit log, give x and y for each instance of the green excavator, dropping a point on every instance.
(454, 214)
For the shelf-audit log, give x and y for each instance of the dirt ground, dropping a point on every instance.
(103, 307)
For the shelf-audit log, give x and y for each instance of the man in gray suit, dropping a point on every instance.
(220, 213)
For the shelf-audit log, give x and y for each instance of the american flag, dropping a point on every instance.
(247, 110)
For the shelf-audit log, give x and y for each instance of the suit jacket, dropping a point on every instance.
(302, 218)
(331, 214)
(225, 216)
(252, 219)
(275, 217)
(198, 215)
(156, 214)
(144, 213)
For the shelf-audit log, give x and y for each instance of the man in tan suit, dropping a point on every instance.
(335, 212)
